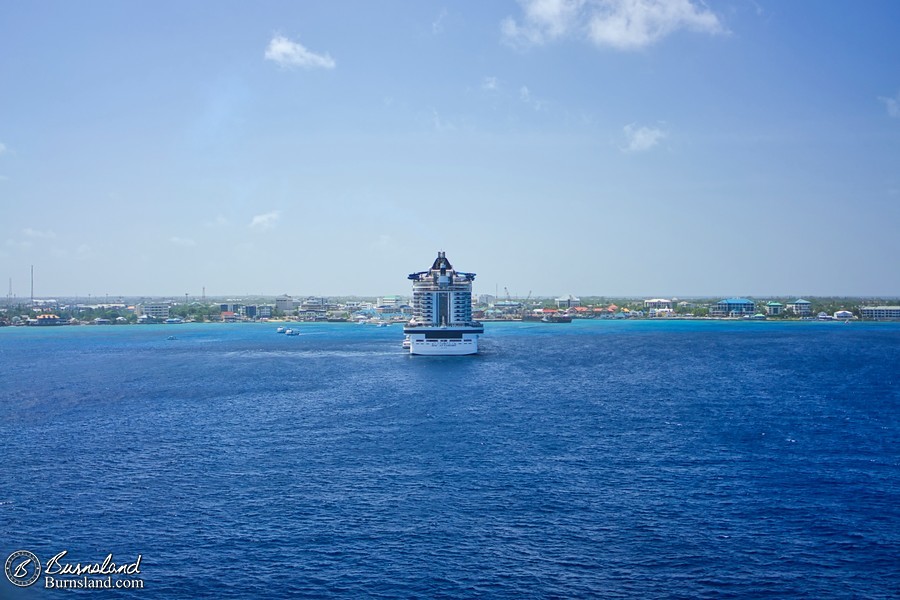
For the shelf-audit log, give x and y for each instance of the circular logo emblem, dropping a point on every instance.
(23, 568)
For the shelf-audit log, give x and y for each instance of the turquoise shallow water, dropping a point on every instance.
(592, 459)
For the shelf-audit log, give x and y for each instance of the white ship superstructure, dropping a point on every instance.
(442, 321)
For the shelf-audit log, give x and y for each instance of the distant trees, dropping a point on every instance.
(195, 311)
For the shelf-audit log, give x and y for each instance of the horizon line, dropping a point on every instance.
(100, 298)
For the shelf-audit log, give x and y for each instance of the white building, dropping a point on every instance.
(880, 312)
(155, 310)
(285, 304)
(800, 307)
(658, 304)
(390, 301)
(569, 301)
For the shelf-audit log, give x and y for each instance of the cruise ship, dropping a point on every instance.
(442, 323)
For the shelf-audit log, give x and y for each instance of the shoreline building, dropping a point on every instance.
(658, 304)
(154, 310)
(284, 304)
(442, 321)
(800, 307)
(658, 307)
(774, 309)
(733, 307)
(880, 313)
(568, 301)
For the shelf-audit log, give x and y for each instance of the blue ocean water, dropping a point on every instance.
(593, 459)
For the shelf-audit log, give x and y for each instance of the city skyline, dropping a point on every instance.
(618, 149)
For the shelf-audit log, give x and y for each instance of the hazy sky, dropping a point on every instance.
(593, 147)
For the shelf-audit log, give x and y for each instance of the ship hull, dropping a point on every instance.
(443, 341)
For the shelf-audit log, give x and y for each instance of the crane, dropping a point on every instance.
(525, 304)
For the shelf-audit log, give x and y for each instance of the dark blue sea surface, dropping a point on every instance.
(592, 459)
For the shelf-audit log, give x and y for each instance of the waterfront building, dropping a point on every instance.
(733, 307)
(569, 301)
(800, 307)
(256, 311)
(155, 310)
(390, 301)
(230, 307)
(393, 313)
(658, 304)
(442, 322)
(843, 315)
(47, 319)
(318, 305)
(773, 309)
(880, 312)
(284, 303)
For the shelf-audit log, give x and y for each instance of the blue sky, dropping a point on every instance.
(594, 147)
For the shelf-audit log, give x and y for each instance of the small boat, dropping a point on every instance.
(171, 337)
(291, 332)
(279, 330)
(406, 343)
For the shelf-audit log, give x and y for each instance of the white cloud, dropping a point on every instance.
(642, 138)
(437, 26)
(2, 147)
(383, 241)
(619, 24)
(293, 54)
(84, 252)
(185, 242)
(36, 233)
(265, 221)
(219, 221)
(440, 124)
(639, 23)
(526, 97)
(892, 105)
(544, 20)
(490, 84)
(11, 243)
